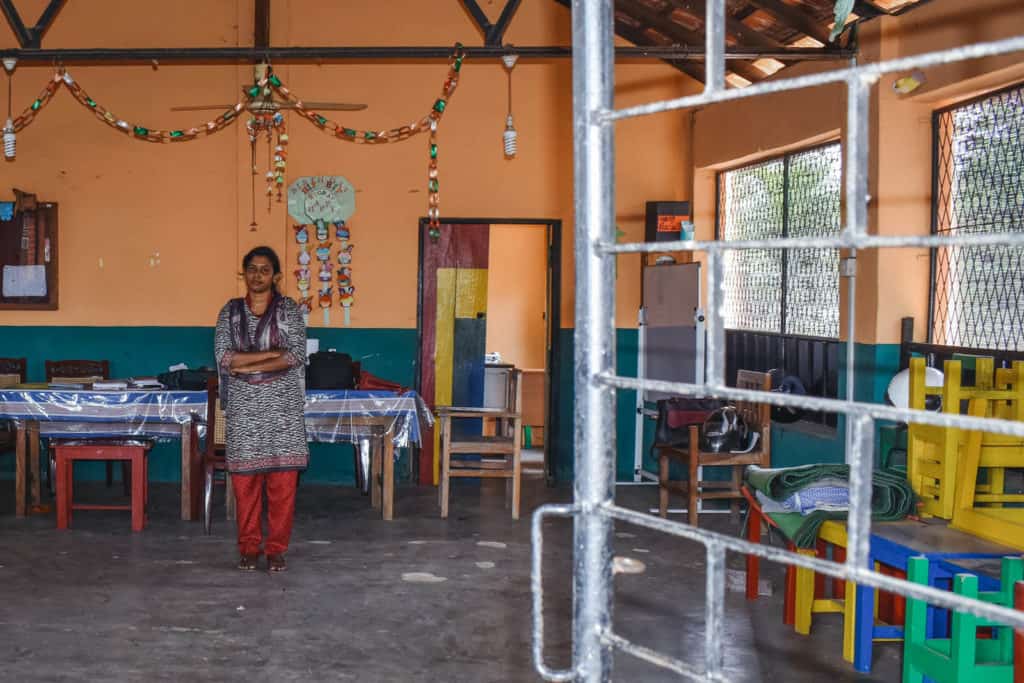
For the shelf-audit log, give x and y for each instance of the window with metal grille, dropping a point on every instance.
(781, 309)
(977, 296)
(767, 290)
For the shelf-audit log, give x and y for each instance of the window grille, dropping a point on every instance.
(793, 292)
(978, 292)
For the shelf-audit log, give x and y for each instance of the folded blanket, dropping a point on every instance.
(817, 497)
(891, 497)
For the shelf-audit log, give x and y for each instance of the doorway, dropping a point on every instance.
(489, 296)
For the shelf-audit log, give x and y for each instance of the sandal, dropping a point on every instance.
(247, 563)
(276, 563)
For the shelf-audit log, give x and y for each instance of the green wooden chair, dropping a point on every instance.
(963, 657)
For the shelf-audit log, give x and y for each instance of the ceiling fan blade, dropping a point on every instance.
(328, 106)
(204, 107)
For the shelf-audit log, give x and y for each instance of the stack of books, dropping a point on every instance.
(110, 385)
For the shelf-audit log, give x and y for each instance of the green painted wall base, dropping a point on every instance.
(387, 353)
(391, 353)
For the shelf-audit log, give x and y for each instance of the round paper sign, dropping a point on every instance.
(328, 198)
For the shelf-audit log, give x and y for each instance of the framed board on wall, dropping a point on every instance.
(28, 254)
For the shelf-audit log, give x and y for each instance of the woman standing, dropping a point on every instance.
(260, 344)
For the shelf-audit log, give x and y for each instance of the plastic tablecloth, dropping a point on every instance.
(331, 416)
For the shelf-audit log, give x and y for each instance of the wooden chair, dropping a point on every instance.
(499, 454)
(934, 453)
(962, 657)
(758, 419)
(75, 370)
(12, 372)
(83, 371)
(989, 511)
(213, 457)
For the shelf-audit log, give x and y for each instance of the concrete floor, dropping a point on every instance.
(101, 603)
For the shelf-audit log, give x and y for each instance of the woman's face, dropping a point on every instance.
(259, 275)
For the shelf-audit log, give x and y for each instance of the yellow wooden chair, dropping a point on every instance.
(981, 510)
(933, 453)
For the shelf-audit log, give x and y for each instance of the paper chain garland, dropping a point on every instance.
(427, 123)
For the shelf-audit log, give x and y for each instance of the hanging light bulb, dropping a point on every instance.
(10, 139)
(510, 136)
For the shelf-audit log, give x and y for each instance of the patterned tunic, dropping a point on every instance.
(266, 430)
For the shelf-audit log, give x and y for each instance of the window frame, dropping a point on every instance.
(936, 189)
(795, 353)
(784, 156)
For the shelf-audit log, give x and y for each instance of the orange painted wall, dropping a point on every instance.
(517, 294)
(123, 201)
(892, 283)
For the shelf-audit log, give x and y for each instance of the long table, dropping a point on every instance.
(377, 421)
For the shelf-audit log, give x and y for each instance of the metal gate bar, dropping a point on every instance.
(596, 382)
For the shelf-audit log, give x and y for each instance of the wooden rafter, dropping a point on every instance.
(661, 22)
(637, 37)
(30, 37)
(795, 18)
(734, 28)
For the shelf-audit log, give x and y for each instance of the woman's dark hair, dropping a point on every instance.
(267, 253)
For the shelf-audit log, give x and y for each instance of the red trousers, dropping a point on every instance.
(280, 510)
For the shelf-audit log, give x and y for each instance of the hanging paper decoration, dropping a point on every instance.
(323, 202)
(323, 255)
(302, 274)
(325, 304)
(268, 125)
(306, 306)
(345, 248)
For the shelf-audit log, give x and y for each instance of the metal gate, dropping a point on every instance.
(596, 382)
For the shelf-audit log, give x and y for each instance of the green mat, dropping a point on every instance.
(891, 497)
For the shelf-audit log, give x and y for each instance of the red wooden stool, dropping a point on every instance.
(134, 452)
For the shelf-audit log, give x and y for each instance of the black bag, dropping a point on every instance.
(330, 370)
(675, 415)
(187, 379)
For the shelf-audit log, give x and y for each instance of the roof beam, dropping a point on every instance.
(261, 24)
(794, 18)
(46, 20)
(310, 53)
(637, 37)
(685, 36)
(493, 33)
(30, 37)
(743, 34)
(17, 25)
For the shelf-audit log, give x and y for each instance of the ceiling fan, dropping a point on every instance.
(265, 102)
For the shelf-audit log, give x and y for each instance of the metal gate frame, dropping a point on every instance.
(593, 637)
